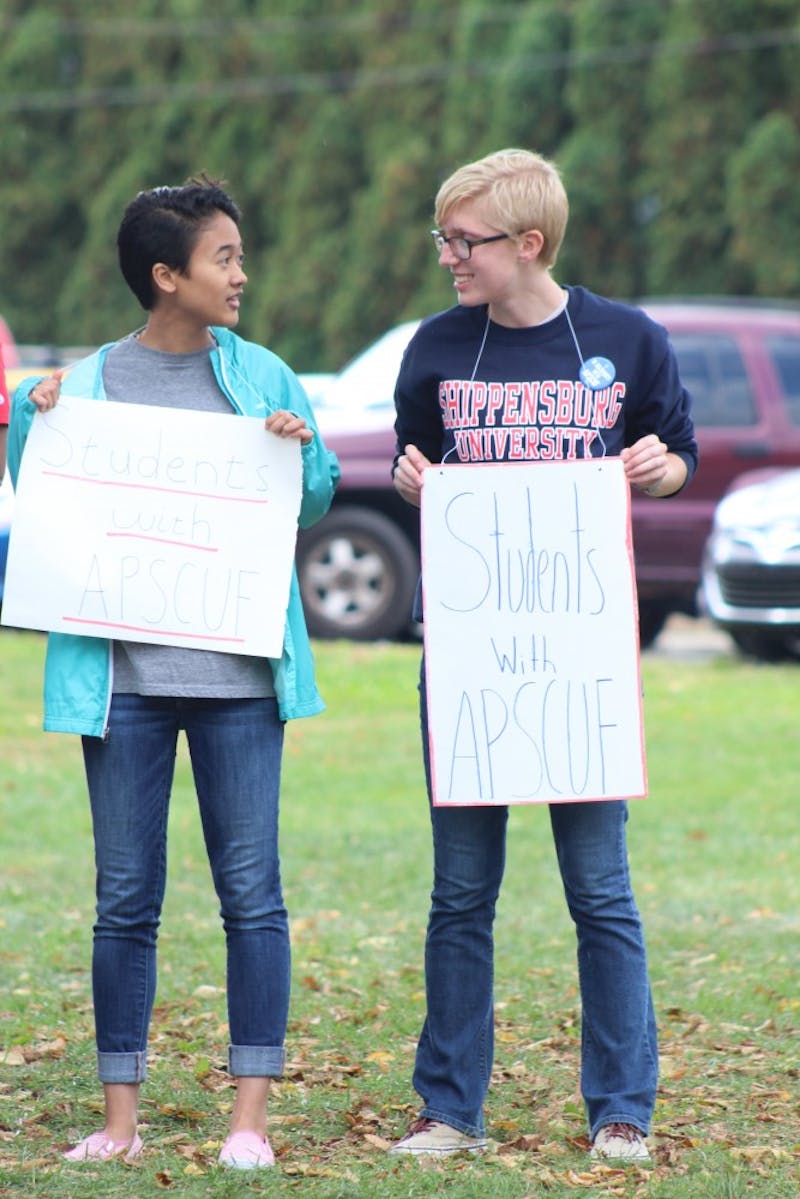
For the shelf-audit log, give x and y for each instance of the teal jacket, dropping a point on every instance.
(78, 670)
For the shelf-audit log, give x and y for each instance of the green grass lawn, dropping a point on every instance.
(714, 851)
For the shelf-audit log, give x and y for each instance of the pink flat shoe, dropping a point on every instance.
(246, 1151)
(98, 1147)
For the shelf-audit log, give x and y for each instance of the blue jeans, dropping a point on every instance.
(619, 1053)
(235, 748)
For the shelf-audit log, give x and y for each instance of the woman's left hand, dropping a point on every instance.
(285, 424)
(651, 468)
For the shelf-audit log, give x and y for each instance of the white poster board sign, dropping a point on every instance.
(531, 634)
(152, 524)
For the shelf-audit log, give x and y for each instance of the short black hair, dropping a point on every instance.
(163, 225)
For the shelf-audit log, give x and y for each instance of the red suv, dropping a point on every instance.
(740, 361)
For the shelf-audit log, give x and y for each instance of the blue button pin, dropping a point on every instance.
(597, 373)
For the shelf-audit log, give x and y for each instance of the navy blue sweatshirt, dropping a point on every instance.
(519, 397)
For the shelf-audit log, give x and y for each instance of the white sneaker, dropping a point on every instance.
(432, 1136)
(620, 1142)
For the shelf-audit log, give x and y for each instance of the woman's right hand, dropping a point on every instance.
(46, 392)
(408, 474)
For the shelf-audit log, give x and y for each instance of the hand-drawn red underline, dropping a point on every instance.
(184, 545)
(133, 628)
(207, 495)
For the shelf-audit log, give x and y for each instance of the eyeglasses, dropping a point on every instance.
(462, 246)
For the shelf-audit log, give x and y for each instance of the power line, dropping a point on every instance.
(321, 82)
(390, 21)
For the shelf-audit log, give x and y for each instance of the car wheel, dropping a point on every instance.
(358, 572)
(767, 647)
(652, 618)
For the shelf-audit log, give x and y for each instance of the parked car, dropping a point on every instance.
(740, 361)
(316, 384)
(751, 565)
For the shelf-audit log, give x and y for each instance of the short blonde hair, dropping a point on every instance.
(522, 191)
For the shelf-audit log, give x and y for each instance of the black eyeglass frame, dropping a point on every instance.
(440, 241)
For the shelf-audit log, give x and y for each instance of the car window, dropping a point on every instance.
(785, 353)
(714, 374)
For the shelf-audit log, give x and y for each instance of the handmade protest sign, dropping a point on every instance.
(531, 634)
(153, 524)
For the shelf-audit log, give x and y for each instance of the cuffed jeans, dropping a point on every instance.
(619, 1054)
(235, 748)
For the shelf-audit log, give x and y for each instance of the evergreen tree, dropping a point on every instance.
(476, 52)
(764, 205)
(601, 161)
(383, 249)
(297, 274)
(526, 93)
(702, 104)
(43, 213)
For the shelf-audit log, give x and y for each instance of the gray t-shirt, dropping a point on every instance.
(134, 374)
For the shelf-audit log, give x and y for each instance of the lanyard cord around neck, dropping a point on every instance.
(474, 372)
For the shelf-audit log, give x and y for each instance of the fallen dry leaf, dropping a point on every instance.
(13, 1057)
(523, 1144)
(377, 1142)
(758, 1153)
(381, 1057)
(20, 1055)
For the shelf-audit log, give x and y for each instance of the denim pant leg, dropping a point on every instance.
(129, 777)
(236, 748)
(619, 1066)
(456, 1048)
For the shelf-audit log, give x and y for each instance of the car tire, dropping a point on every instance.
(766, 647)
(652, 618)
(358, 572)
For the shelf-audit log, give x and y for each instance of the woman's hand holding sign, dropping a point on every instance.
(651, 468)
(286, 424)
(46, 392)
(408, 475)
